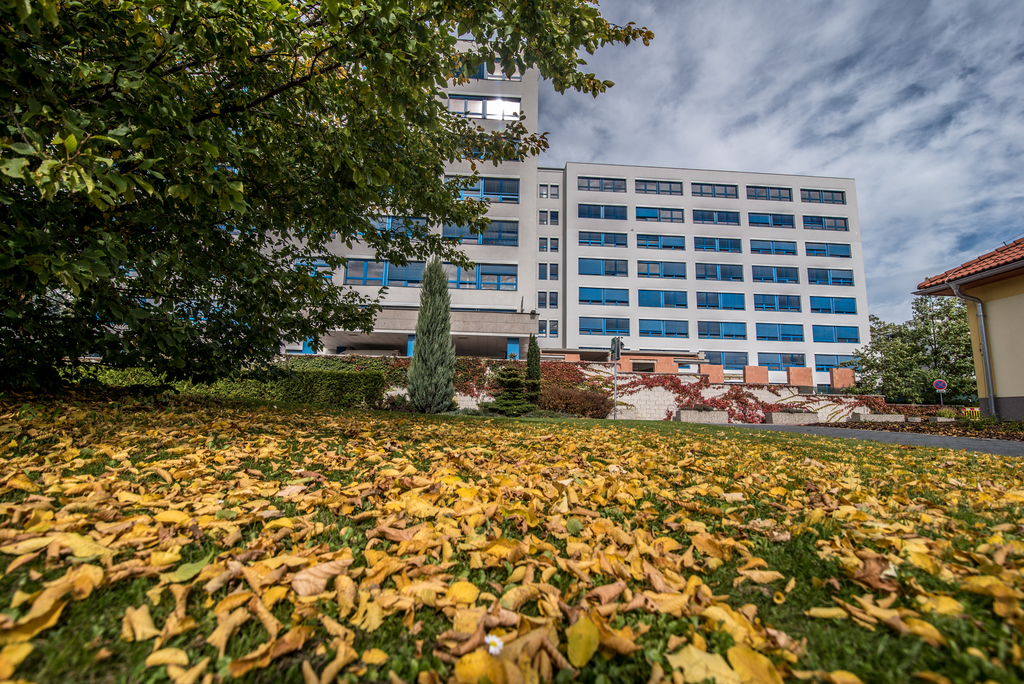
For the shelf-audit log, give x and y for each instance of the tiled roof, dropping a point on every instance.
(1007, 254)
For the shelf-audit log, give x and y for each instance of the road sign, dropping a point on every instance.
(939, 385)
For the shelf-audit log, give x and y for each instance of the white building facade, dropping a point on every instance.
(752, 269)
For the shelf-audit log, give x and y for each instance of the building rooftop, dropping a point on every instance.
(988, 267)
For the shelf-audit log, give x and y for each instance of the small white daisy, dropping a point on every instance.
(494, 644)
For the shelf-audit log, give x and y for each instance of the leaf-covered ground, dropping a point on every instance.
(1008, 430)
(202, 543)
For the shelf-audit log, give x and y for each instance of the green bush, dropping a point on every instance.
(576, 402)
(946, 413)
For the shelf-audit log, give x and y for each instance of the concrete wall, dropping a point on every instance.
(1004, 322)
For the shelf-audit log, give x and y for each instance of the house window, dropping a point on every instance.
(543, 245)
(604, 267)
(604, 326)
(774, 194)
(542, 300)
(600, 211)
(772, 247)
(503, 190)
(846, 334)
(500, 233)
(554, 191)
(826, 223)
(650, 187)
(659, 328)
(605, 296)
(543, 218)
(764, 302)
(552, 300)
(719, 330)
(823, 196)
(780, 332)
(364, 272)
(480, 72)
(728, 360)
(828, 249)
(825, 362)
(498, 276)
(542, 328)
(543, 190)
(552, 328)
(410, 275)
(475, 107)
(722, 218)
(658, 214)
(771, 220)
(834, 305)
(661, 269)
(721, 300)
(711, 190)
(776, 274)
(733, 272)
(830, 276)
(601, 184)
(603, 239)
(542, 271)
(553, 271)
(661, 299)
(710, 244)
(554, 217)
(554, 244)
(780, 361)
(661, 242)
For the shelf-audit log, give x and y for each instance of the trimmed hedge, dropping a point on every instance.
(339, 389)
(576, 402)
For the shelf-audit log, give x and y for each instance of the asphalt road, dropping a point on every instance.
(999, 447)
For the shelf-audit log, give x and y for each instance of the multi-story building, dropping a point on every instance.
(752, 269)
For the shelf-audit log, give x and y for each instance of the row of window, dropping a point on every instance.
(723, 272)
(723, 190)
(547, 329)
(545, 217)
(777, 361)
(715, 244)
(548, 190)
(719, 330)
(726, 301)
(480, 277)
(614, 212)
(481, 73)
(495, 108)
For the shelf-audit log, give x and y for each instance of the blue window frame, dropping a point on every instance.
(826, 223)
(834, 305)
(498, 233)
(604, 267)
(773, 361)
(601, 184)
(605, 296)
(772, 247)
(553, 300)
(662, 299)
(661, 269)
(553, 328)
(651, 187)
(734, 301)
(604, 326)
(601, 211)
(780, 332)
(771, 220)
(661, 242)
(825, 362)
(659, 214)
(498, 276)
(364, 272)
(830, 276)
(496, 108)
(713, 244)
(766, 302)
(731, 272)
(480, 277)
(727, 360)
(823, 196)
(542, 271)
(828, 249)
(722, 218)
(776, 274)
(542, 300)
(714, 190)
(846, 334)
(659, 328)
(500, 190)
(761, 192)
(542, 328)
(410, 275)
(481, 73)
(720, 330)
(603, 239)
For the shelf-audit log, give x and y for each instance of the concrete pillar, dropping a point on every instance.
(409, 345)
(716, 374)
(841, 377)
(802, 377)
(755, 375)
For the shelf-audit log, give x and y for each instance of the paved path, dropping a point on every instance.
(999, 447)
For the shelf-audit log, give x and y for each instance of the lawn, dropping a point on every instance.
(158, 540)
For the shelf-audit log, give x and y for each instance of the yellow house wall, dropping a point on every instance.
(1004, 322)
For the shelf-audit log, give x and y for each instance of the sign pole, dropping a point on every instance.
(615, 378)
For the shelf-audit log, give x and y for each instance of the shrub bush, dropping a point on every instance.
(946, 413)
(576, 402)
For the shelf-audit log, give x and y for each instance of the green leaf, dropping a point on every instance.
(23, 148)
(15, 168)
(187, 571)
(71, 143)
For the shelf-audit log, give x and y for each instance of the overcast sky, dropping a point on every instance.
(921, 102)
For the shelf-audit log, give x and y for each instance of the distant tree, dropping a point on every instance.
(533, 371)
(904, 359)
(511, 398)
(432, 369)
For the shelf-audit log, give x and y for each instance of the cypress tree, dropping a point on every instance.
(533, 371)
(432, 369)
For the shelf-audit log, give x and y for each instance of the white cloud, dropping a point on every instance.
(921, 102)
